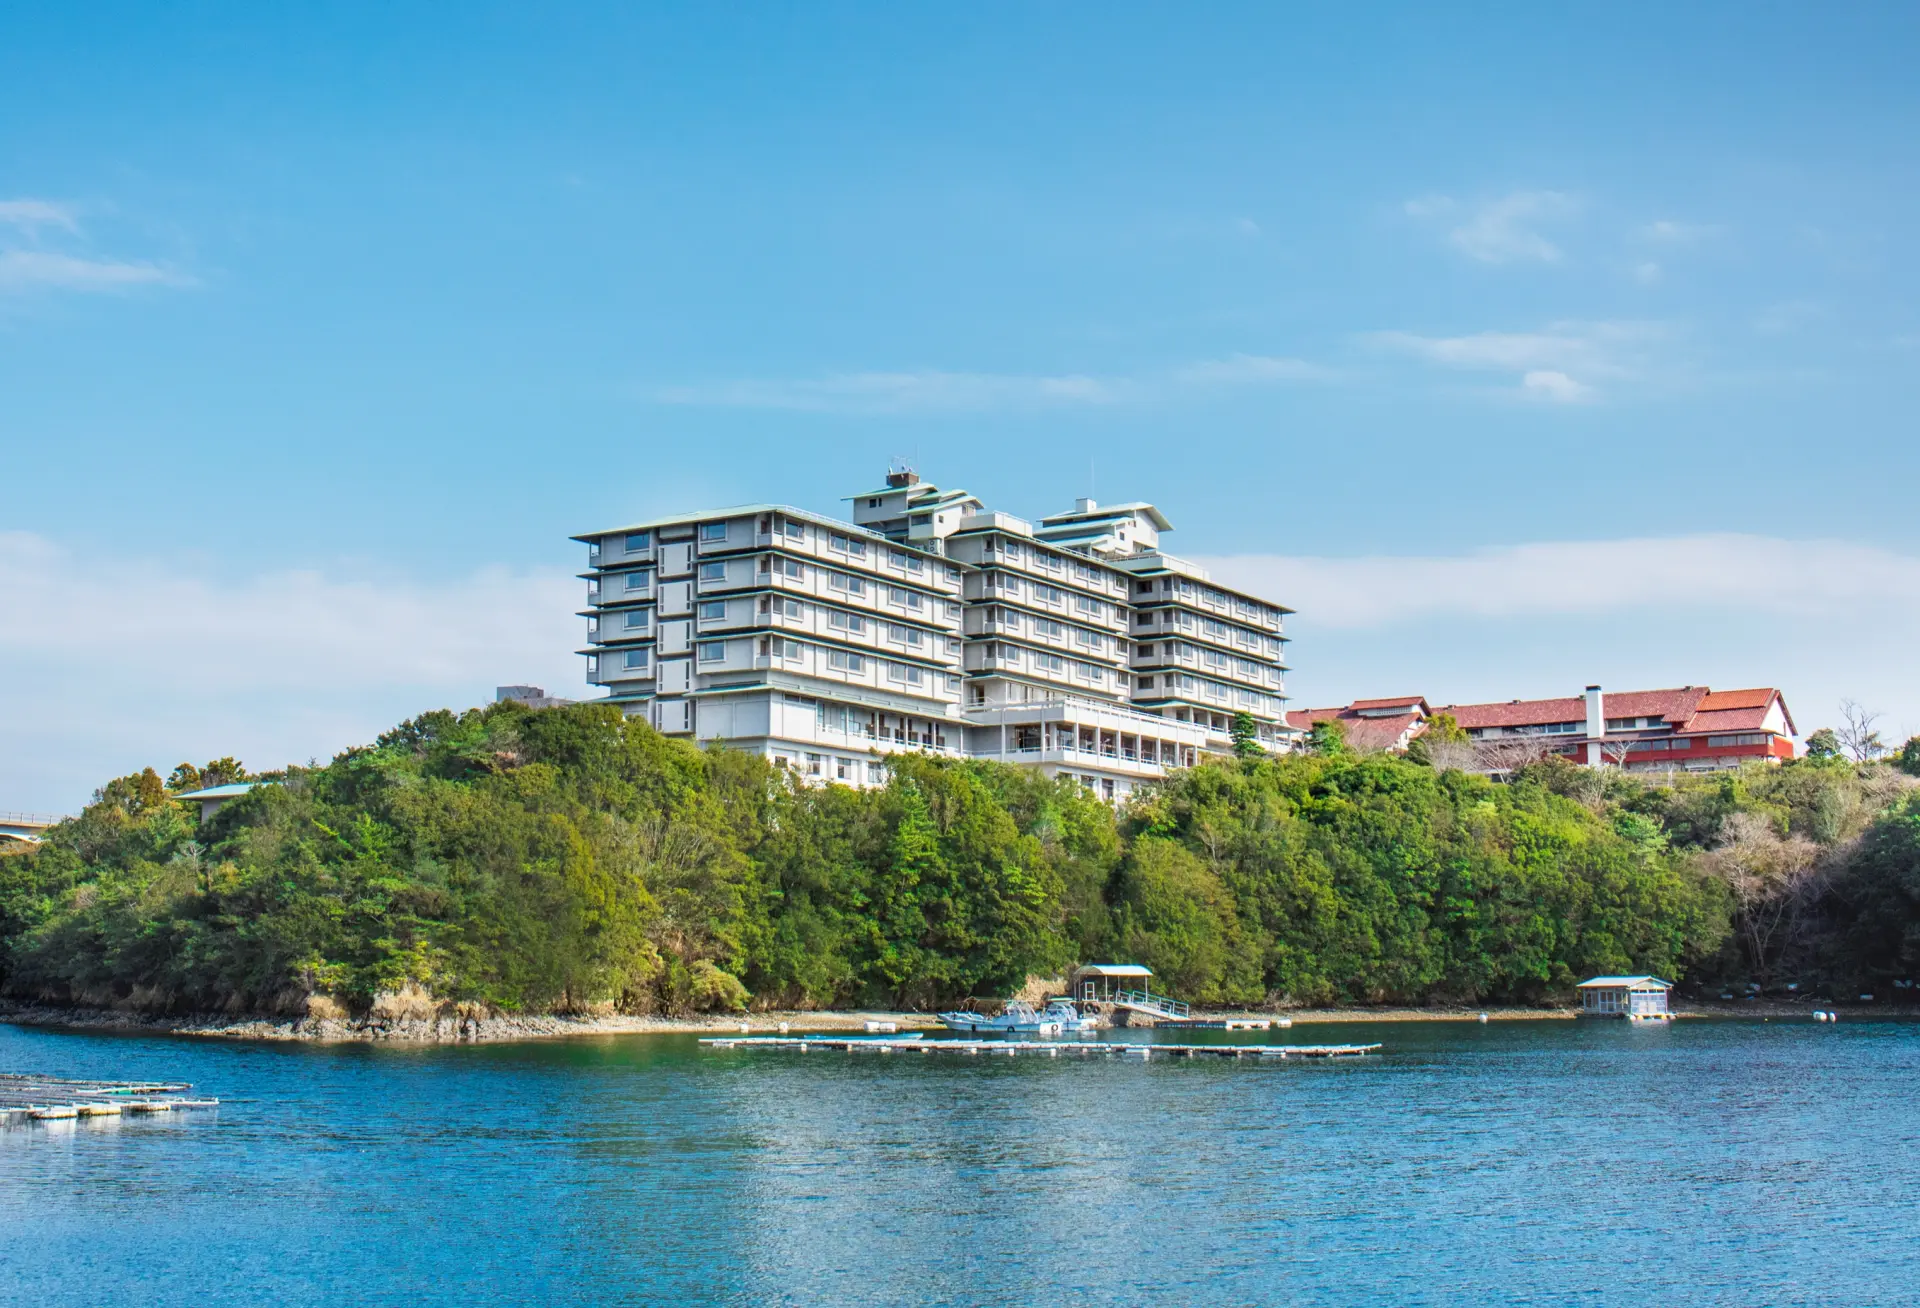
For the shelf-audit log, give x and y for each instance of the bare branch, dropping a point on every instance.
(1858, 735)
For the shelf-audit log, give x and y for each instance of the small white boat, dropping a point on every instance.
(1072, 1020)
(1017, 1018)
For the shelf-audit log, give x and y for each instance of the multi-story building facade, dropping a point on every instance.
(930, 622)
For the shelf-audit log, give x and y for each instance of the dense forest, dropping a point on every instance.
(532, 860)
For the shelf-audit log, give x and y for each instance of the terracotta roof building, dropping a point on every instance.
(1690, 728)
(1371, 724)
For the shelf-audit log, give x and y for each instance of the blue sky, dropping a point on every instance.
(1515, 349)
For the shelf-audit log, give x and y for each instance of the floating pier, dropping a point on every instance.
(1040, 1048)
(56, 1099)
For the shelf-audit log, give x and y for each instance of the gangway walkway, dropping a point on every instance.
(1162, 1007)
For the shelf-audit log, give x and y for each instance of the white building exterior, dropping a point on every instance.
(931, 623)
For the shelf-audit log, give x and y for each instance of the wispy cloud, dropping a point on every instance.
(1500, 230)
(1548, 617)
(932, 391)
(353, 655)
(1243, 369)
(31, 269)
(31, 215)
(1668, 232)
(900, 392)
(1763, 574)
(1782, 319)
(29, 263)
(1648, 273)
(1558, 364)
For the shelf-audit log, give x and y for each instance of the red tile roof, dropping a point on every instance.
(1366, 733)
(1404, 701)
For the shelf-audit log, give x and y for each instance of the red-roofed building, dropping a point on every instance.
(1371, 724)
(1691, 728)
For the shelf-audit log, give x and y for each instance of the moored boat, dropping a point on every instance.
(1017, 1018)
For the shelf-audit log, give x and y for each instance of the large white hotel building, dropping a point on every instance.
(931, 623)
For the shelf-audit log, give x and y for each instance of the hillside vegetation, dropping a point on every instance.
(572, 860)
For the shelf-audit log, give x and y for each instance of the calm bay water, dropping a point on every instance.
(1521, 1162)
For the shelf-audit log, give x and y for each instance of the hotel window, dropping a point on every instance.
(845, 661)
(842, 769)
(1146, 683)
(876, 772)
(638, 580)
(713, 611)
(1092, 606)
(711, 531)
(713, 572)
(1009, 653)
(953, 610)
(1051, 662)
(637, 658)
(793, 568)
(849, 622)
(842, 581)
(793, 608)
(813, 765)
(637, 618)
(905, 598)
(713, 651)
(794, 530)
(638, 540)
(900, 635)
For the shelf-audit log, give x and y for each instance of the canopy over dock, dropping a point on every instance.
(1632, 997)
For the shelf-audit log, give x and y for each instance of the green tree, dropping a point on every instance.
(1245, 734)
(1327, 737)
(1823, 744)
(1909, 757)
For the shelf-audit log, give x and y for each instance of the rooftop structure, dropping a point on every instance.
(212, 799)
(930, 622)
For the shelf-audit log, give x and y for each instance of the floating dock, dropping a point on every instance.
(1040, 1048)
(55, 1099)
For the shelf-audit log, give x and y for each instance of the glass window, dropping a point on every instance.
(638, 580)
(713, 610)
(713, 531)
(637, 658)
(793, 568)
(793, 608)
(713, 651)
(795, 530)
(846, 661)
(713, 572)
(638, 540)
(852, 622)
(638, 618)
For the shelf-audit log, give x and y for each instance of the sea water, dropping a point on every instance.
(1549, 1162)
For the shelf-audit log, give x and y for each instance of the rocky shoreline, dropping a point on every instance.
(452, 1027)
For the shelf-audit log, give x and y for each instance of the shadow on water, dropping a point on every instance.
(1711, 1161)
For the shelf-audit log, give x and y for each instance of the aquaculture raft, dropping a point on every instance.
(1042, 1048)
(52, 1098)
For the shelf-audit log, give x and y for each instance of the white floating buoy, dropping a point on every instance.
(1483, 1017)
(783, 1028)
(1285, 1021)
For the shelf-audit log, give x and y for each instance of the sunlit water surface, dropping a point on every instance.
(1546, 1162)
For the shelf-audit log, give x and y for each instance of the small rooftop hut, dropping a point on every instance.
(1091, 982)
(1636, 998)
(213, 798)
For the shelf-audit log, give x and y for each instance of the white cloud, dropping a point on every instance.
(931, 391)
(1559, 362)
(1800, 580)
(1547, 384)
(32, 269)
(1822, 619)
(1648, 273)
(1667, 232)
(1503, 229)
(31, 215)
(899, 392)
(1782, 319)
(274, 667)
(1254, 368)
